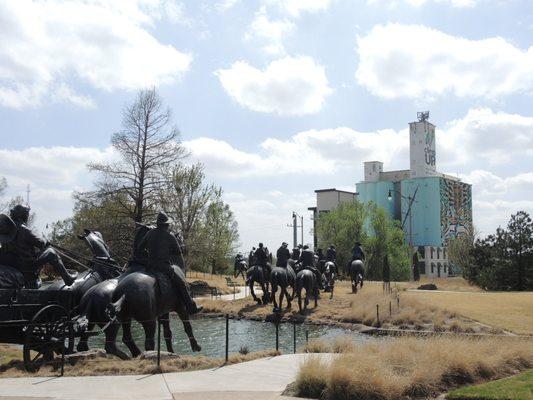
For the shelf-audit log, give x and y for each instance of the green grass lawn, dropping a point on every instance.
(519, 387)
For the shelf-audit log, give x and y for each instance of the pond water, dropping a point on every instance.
(254, 335)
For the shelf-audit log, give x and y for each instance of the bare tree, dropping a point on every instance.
(147, 144)
(186, 196)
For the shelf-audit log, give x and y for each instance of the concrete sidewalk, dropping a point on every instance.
(259, 379)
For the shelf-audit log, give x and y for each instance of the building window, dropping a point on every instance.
(438, 253)
(445, 267)
(439, 269)
(444, 253)
(432, 268)
(432, 250)
(422, 267)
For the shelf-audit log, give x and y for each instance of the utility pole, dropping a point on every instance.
(294, 230)
(295, 227)
(302, 226)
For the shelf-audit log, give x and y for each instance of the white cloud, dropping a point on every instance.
(226, 4)
(295, 8)
(270, 32)
(322, 152)
(53, 173)
(485, 137)
(419, 3)
(481, 138)
(266, 221)
(287, 86)
(415, 61)
(46, 45)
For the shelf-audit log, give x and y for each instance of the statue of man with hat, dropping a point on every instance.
(24, 250)
(163, 251)
(282, 255)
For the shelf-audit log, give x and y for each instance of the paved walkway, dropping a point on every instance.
(259, 379)
(241, 293)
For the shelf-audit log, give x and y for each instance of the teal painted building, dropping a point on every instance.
(442, 206)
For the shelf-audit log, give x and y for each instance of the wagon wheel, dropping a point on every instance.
(48, 333)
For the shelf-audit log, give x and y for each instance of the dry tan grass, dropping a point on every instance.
(341, 344)
(413, 367)
(345, 307)
(218, 281)
(12, 365)
(509, 311)
(456, 283)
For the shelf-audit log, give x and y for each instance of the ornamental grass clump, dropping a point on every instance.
(409, 367)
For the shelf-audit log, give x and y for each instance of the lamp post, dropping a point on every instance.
(410, 200)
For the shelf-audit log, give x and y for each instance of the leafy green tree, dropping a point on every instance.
(503, 260)
(103, 215)
(342, 227)
(186, 197)
(519, 244)
(460, 254)
(377, 232)
(217, 240)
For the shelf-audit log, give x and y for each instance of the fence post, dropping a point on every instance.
(227, 337)
(294, 336)
(158, 344)
(377, 312)
(398, 301)
(306, 336)
(63, 351)
(390, 308)
(277, 334)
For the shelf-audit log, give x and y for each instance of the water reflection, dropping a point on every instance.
(254, 335)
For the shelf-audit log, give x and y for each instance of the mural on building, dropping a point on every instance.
(455, 209)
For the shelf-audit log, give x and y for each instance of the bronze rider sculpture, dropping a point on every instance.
(29, 253)
(163, 251)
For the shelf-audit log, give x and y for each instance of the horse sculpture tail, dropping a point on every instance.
(113, 309)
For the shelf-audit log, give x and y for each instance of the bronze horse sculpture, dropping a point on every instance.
(240, 269)
(147, 297)
(282, 277)
(357, 272)
(306, 279)
(330, 275)
(258, 274)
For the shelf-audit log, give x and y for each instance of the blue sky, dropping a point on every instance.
(277, 97)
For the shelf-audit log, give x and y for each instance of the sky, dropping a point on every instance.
(277, 98)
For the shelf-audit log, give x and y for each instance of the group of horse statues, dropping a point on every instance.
(293, 273)
(106, 294)
(110, 296)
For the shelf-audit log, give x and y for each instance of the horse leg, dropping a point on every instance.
(332, 287)
(149, 335)
(315, 295)
(184, 316)
(274, 290)
(111, 333)
(164, 320)
(281, 294)
(299, 295)
(83, 344)
(266, 295)
(288, 298)
(127, 339)
(253, 293)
